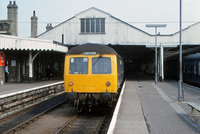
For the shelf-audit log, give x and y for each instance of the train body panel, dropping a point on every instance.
(191, 68)
(89, 82)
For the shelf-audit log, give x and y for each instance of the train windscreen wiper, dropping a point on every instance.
(100, 56)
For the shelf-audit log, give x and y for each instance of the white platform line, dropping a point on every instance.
(114, 118)
(27, 90)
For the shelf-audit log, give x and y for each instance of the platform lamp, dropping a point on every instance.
(156, 27)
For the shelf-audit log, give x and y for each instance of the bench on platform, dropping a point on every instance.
(195, 108)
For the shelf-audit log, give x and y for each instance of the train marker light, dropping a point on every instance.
(70, 83)
(108, 83)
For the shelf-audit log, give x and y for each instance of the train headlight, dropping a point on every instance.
(71, 83)
(108, 83)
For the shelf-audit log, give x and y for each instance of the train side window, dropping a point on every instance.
(101, 65)
(199, 69)
(184, 66)
(78, 65)
(195, 68)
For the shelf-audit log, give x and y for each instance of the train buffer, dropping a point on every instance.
(195, 110)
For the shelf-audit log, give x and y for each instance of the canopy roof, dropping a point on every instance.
(8, 42)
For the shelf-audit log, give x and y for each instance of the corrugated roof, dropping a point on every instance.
(8, 42)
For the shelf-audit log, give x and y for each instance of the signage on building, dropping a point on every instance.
(2, 58)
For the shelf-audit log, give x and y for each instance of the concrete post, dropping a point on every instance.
(31, 59)
(30, 67)
(161, 74)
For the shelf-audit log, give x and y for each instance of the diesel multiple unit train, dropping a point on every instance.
(92, 75)
(190, 69)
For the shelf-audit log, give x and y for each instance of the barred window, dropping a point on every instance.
(93, 25)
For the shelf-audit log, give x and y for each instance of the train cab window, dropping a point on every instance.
(78, 65)
(101, 65)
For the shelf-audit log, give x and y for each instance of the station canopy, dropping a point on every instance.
(8, 42)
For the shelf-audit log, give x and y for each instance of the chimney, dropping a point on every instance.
(13, 17)
(49, 27)
(34, 24)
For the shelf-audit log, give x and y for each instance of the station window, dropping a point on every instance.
(93, 25)
(101, 65)
(78, 65)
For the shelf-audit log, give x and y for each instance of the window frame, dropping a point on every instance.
(110, 71)
(92, 25)
(82, 62)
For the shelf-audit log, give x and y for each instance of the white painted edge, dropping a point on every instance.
(27, 90)
(114, 118)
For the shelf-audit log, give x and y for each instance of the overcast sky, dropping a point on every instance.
(136, 12)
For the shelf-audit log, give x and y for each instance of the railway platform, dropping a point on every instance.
(143, 106)
(18, 96)
(149, 108)
(17, 87)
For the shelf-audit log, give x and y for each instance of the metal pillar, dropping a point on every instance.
(180, 88)
(156, 60)
(156, 26)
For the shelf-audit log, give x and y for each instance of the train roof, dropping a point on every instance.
(99, 49)
(192, 56)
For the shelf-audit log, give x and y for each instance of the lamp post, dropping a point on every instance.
(156, 27)
(180, 89)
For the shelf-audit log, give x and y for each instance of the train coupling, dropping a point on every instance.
(106, 97)
(71, 96)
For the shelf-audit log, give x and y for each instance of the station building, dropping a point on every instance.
(27, 58)
(133, 44)
(93, 25)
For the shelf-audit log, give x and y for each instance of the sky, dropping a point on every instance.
(135, 12)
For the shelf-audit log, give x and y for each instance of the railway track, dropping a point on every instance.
(89, 123)
(65, 118)
(13, 123)
(57, 118)
(83, 124)
(22, 125)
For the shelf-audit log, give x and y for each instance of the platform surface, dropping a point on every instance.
(149, 108)
(15, 87)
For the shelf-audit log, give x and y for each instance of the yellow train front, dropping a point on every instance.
(92, 75)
